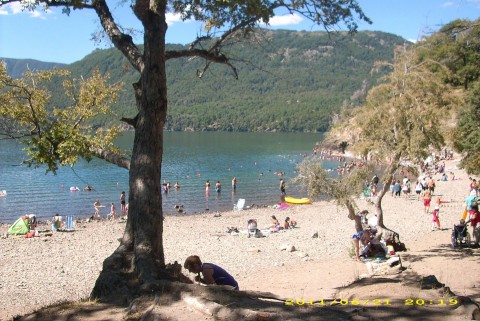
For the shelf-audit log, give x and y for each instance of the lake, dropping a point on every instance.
(190, 158)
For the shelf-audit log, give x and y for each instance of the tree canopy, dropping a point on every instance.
(405, 116)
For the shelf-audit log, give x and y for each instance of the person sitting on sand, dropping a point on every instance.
(57, 222)
(372, 246)
(289, 223)
(212, 274)
(275, 224)
(31, 221)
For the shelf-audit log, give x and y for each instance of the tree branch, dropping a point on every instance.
(122, 41)
(112, 158)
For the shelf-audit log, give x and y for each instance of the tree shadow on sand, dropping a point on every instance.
(405, 296)
(446, 251)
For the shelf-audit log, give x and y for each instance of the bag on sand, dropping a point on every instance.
(393, 238)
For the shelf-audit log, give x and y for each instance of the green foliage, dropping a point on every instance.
(403, 117)
(56, 135)
(321, 183)
(457, 47)
(467, 134)
(17, 67)
(406, 114)
(288, 81)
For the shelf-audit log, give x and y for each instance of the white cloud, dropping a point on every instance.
(447, 4)
(16, 8)
(412, 40)
(172, 18)
(290, 19)
(3, 12)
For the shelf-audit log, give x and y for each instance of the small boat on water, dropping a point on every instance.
(294, 200)
(3, 193)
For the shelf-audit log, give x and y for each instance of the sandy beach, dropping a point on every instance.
(47, 269)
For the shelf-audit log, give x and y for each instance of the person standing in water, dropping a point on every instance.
(282, 186)
(122, 203)
(234, 183)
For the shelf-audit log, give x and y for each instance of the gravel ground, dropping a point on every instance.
(42, 270)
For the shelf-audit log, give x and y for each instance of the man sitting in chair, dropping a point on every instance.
(57, 222)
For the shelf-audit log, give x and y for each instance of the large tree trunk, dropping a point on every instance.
(140, 257)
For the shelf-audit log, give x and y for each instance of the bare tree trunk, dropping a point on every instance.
(354, 217)
(391, 169)
(140, 257)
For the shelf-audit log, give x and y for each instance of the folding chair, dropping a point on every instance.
(240, 204)
(70, 223)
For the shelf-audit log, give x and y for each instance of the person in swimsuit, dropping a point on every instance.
(282, 187)
(122, 203)
(211, 273)
(207, 186)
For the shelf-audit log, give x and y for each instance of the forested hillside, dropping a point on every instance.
(288, 81)
(16, 67)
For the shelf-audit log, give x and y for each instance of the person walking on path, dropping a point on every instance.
(397, 188)
(418, 189)
(427, 197)
(436, 218)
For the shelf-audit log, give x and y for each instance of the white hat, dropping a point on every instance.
(437, 208)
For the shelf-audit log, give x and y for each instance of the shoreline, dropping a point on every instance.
(64, 266)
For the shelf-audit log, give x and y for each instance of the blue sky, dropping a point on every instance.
(53, 36)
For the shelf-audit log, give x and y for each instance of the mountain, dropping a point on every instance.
(288, 81)
(16, 67)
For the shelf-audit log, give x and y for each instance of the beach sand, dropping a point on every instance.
(43, 270)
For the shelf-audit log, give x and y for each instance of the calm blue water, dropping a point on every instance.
(189, 158)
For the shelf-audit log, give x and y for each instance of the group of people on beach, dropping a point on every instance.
(113, 210)
(424, 189)
(287, 224)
